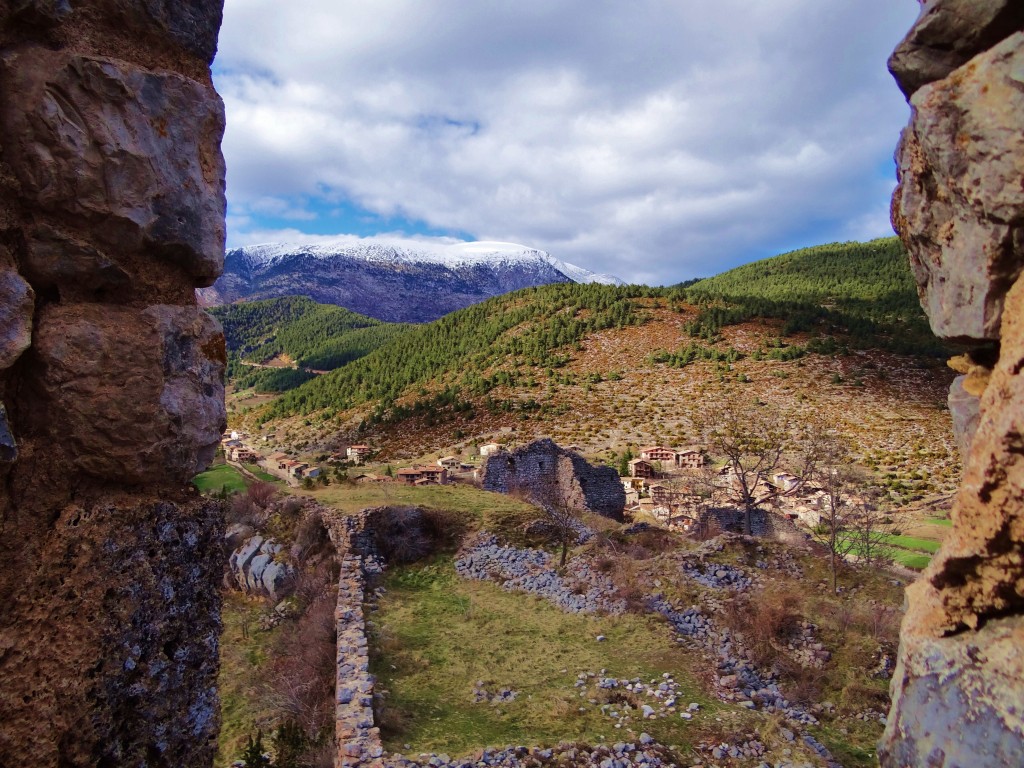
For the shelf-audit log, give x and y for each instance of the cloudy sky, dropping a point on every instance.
(657, 140)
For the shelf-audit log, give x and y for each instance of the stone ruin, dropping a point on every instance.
(112, 213)
(111, 381)
(958, 689)
(545, 473)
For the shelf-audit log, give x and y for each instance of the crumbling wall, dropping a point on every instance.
(547, 473)
(958, 690)
(111, 393)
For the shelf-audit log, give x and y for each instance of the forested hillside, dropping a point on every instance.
(310, 335)
(532, 327)
(841, 296)
(862, 291)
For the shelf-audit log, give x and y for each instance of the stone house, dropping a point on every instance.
(690, 458)
(490, 449)
(658, 453)
(549, 474)
(357, 453)
(641, 468)
(425, 475)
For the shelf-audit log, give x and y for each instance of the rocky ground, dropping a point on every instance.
(581, 588)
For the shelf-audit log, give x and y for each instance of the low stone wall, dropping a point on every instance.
(357, 739)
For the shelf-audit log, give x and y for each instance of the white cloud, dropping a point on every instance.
(657, 139)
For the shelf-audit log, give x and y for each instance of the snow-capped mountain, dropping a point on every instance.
(398, 281)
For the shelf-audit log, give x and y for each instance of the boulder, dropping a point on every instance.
(254, 578)
(948, 34)
(130, 395)
(967, 685)
(241, 558)
(17, 303)
(133, 151)
(959, 200)
(236, 535)
(277, 580)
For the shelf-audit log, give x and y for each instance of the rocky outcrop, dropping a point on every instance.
(257, 568)
(549, 474)
(111, 394)
(958, 688)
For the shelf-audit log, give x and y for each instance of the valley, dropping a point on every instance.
(697, 647)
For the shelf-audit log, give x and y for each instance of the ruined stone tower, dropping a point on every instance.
(111, 214)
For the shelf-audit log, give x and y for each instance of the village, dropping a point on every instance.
(674, 487)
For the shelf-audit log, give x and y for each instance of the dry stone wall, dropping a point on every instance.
(958, 689)
(111, 381)
(549, 474)
(357, 739)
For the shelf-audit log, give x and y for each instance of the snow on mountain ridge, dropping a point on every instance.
(461, 254)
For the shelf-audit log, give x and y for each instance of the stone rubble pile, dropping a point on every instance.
(807, 649)
(643, 752)
(626, 700)
(482, 695)
(582, 590)
(718, 576)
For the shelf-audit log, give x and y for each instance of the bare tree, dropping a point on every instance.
(752, 439)
(850, 521)
(563, 526)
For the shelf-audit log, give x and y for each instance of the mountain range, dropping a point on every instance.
(390, 281)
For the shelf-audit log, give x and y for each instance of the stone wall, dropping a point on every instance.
(357, 739)
(548, 474)
(958, 690)
(111, 394)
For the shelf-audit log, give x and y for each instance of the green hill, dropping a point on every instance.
(530, 329)
(852, 295)
(861, 291)
(313, 336)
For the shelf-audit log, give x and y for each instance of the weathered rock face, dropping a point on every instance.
(111, 382)
(958, 690)
(959, 201)
(948, 34)
(256, 569)
(547, 473)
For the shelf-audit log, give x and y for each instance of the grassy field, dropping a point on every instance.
(915, 543)
(479, 509)
(262, 474)
(223, 476)
(243, 652)
(914, 560)
(435, 636)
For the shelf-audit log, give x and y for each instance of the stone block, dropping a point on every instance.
(135, 152)
(132, 396)
(948, 34)
(17, 303)
(959, 199)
